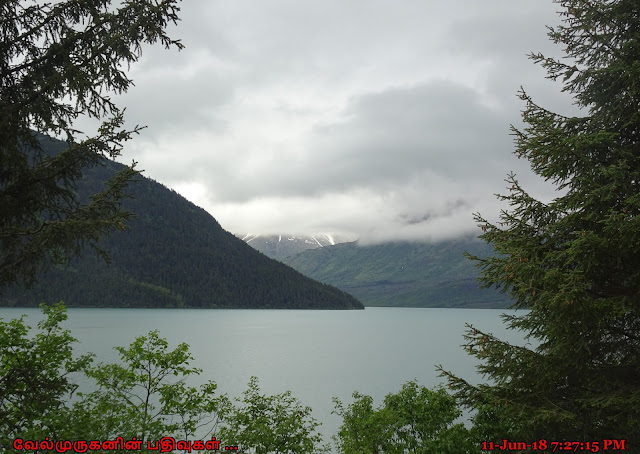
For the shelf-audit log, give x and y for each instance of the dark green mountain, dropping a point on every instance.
(174, 254)
(403, 274)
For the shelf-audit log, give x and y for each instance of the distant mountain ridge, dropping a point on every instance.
(173, 254)
(403, 274)
(284, 245)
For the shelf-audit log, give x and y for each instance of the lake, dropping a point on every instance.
(315, 354)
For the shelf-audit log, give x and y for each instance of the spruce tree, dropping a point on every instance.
(60, 61)
(571, 265)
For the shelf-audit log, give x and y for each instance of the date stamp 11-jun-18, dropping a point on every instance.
(610, 444)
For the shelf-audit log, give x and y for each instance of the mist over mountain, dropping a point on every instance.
(403, 273)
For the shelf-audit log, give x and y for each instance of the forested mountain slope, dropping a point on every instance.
(173, 254)
(403, 274)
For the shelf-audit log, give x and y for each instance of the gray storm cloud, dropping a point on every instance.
(373, 118)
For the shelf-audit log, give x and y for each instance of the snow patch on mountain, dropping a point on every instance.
(274, 246)
(249, 237)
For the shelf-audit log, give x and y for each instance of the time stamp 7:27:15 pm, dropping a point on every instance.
(611, 444)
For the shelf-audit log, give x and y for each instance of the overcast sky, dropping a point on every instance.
(377, 118)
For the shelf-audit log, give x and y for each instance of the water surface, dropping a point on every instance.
(315, 354)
